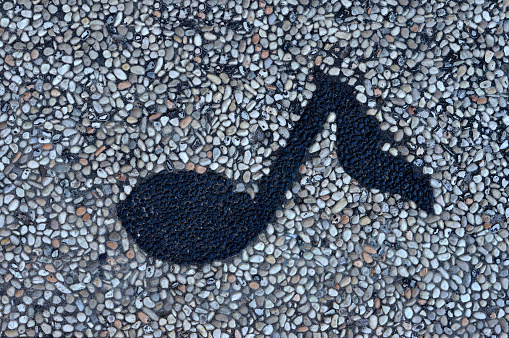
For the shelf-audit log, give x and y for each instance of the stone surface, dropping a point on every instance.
(95, 97)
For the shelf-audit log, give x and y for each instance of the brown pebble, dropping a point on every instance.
(81, 211)
(318, 60)
(482, 100)
(19, 293)
(55, 242)
(265, 54)
(47, 146)
(232, 278)
(269, 10)
(200, 169)
(190, 166)
(256, 38)
(185, 122)
(143, 317)
(170, 104)
(123, 85)
(50, 268)
(34, 54)
(254, 285)
(55, 92)
(120, 177)
(9, 60)
(51, 279)
(86, 217)
(112, 245)
(369, 249)
(100, 150)
(16, 158)
(154, 116)
(130, 254)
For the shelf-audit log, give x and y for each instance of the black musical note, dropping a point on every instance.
(185, 217)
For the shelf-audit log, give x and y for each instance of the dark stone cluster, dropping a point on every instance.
(359, 142)
(186, 217)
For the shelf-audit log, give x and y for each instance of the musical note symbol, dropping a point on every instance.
(185, 217)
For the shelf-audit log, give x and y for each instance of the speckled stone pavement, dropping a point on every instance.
(95, 96)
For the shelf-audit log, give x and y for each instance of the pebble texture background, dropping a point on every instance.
(97, 96)
(185, 217)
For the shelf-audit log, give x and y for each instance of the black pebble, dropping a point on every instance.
(102, 258)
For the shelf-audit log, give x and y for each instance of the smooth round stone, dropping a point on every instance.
(138, 70)
(33, 164)
(120, 74)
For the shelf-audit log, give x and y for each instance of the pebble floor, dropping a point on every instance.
(97, 95)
